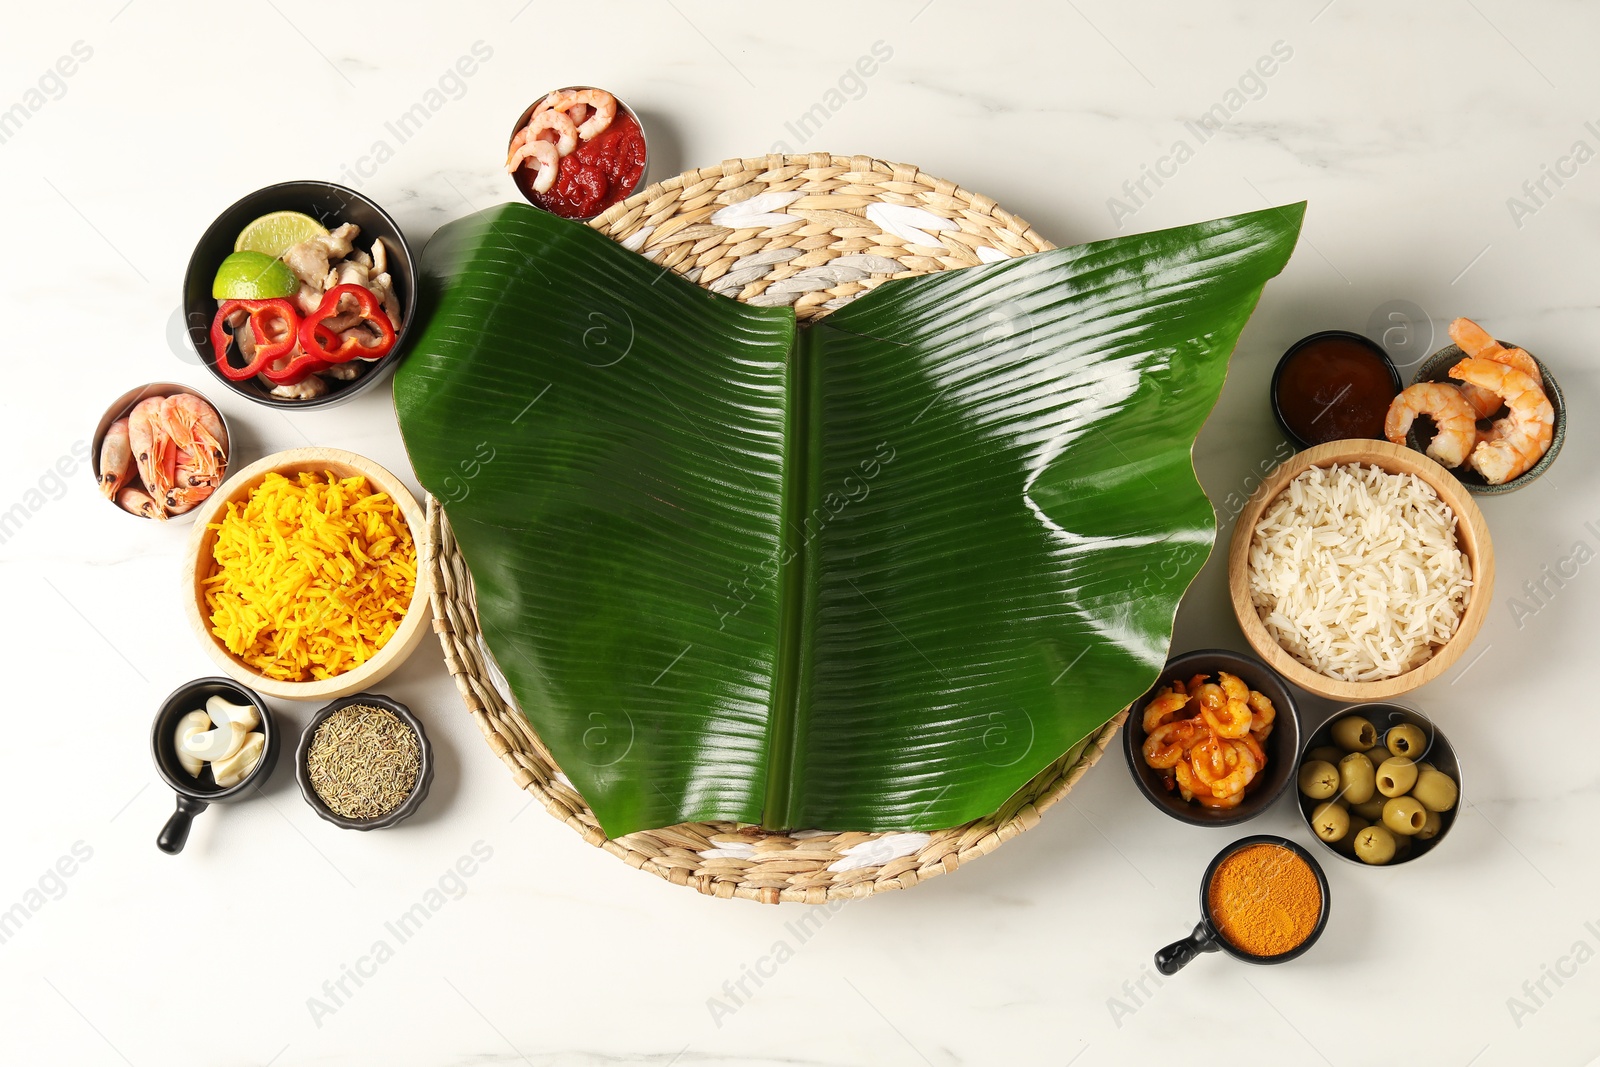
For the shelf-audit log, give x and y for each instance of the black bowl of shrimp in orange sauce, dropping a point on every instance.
(160, 450)
(1215, 740)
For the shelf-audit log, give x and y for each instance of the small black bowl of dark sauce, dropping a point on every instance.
(1332, 386)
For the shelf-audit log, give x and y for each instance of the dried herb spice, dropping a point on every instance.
(364, 761)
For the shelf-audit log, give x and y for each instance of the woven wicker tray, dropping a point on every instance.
(810, 231)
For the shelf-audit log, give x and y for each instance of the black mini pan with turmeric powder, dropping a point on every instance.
(1263, 899)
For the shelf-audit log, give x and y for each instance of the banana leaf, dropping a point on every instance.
(871, 574)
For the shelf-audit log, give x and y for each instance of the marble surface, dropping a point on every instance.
(1447, 151)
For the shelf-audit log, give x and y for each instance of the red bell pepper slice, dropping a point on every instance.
(324, 344)
(275, 324)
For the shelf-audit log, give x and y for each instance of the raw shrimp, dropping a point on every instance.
(1477, 342)
(1457, 425)
(153, 450)
(196, 429)
(116, 459)
(140, 502)
(545, 155)
(553, 121)
(1166, 743)
(1523, 436)
(1162, 709)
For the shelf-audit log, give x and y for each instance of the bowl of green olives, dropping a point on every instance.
(1378, 784)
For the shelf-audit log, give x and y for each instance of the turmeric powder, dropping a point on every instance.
(1264, 900)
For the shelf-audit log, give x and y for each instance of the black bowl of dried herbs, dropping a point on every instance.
(364, 762)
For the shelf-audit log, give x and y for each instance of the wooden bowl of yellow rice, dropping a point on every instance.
(306, 575)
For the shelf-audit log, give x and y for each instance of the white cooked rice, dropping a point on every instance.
(1356, 572)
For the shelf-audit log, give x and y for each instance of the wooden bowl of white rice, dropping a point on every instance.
(1360, 570)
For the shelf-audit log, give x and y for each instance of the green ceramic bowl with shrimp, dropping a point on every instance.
(121, 408)
(1436, 368)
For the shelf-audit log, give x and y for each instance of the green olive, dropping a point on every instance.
(1346, 845)
(1319, 779)
(1403, 815)
(1375, 845)
(1396, 776)
(1354, 734)
(1406, 740)
(1430, 827)
(1371, 810)
(1330, 821)
(1402, 848)
(1356, 778)
(1434, 790)
(1325, 753)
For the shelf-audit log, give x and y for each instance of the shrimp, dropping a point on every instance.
(1262, 714)
(152, 448)
(139, 502)
(116, 459)
(1240, 777)
(196, 429)
(1213, 759)
(1476, 342)
(1187, 785)
(1165, 745)
(545, 155)
(552, 121)
(603, 103)
(181, 498)
(1233, 718)
(1524, 434)
(1457, 425)
(1162, 709)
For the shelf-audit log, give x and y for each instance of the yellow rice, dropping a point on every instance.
(310, 577)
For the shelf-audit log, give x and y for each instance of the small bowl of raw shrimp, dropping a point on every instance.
(577, 151)
(1536, 423)
(160, 450)
(336, 268)
(1213, 763)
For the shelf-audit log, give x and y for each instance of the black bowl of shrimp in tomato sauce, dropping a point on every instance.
(577, 151)
(1215, 740)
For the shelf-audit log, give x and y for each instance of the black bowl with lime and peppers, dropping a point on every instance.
(331, 205)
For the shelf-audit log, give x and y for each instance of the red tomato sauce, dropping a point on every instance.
(597, 174)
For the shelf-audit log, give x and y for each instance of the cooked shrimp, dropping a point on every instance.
(1187, 785)
(1212, 759)
(1233, 718)
(1457, 425)
(1523, 436)
(1262, 714)
(1162, 709)
(153, 451)
(1478, 343)
(195, 428)
(116, 459)
(545, 155)
(140, 502)
(555, 122)
(1166, 743)
(603, 103)
(1236, 781)
(180, 498)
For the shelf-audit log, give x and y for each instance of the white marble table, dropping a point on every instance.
(1447, 153)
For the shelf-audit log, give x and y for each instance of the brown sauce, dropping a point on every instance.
(1335, 388)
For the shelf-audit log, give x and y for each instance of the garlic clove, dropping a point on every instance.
(195, 721)
(237, 767)
(214, 745)
(223, 712)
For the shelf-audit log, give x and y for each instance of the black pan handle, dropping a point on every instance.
(176, 832)
(1176, 956)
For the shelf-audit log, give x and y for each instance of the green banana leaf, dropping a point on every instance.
(871, 574)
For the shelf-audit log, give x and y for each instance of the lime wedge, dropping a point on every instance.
(278, 232)
(253, 276)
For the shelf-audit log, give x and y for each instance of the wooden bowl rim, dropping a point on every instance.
(405, 638)
(1472, 533)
